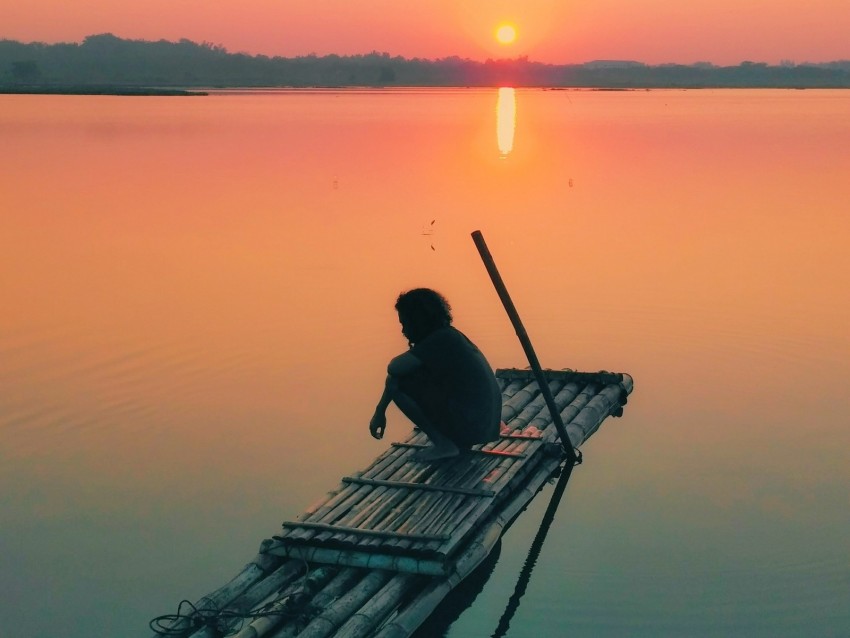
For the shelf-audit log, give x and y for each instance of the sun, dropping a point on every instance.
(506, 33)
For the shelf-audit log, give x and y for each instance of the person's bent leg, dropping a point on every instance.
(443, 446)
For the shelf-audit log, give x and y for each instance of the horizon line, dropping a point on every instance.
(524, 58)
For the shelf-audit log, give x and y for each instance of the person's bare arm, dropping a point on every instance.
(400, 366)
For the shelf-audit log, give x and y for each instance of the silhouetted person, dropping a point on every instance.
(442, 383)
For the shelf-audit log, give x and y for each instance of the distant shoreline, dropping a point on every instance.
(122, 91)
(107, 65)
(96, 90)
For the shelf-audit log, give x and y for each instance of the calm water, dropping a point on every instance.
(197, 311)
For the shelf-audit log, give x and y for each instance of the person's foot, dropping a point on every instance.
(436, 453)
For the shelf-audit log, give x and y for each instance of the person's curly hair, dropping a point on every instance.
(421, 312)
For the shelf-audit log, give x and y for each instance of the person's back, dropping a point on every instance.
(459, 368)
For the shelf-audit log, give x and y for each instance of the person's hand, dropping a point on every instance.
(377, 425)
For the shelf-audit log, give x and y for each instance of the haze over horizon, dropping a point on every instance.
(723, 32)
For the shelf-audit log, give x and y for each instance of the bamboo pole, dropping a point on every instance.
(513, 386)
(605, 403)
(537, 402)
(577, 404)
(517, 402)
(562, 399)
(341, 583)
(496, 278)
(335, 615)
(377, 608)
(535, 407)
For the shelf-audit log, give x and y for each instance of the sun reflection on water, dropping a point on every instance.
(505, 120)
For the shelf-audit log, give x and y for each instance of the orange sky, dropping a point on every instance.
(557, 31)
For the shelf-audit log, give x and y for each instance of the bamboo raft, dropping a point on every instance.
(377, 554)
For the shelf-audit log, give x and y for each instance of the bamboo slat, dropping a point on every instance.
(534, 407)
(455, 512)
(333, 514)
(400, 512)
(389, 522)
(520, 435)
(518, 401)
(400, 523)
(390, 457)
(418, 486)
(470, 451)
(426, 514)
(368, 560)
(429, 513)
(344, 497)
(602, 377)
(354, 530)
(367, 509)
(384, 509)
(400, 461)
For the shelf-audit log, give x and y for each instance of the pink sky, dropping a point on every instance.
(556, 31)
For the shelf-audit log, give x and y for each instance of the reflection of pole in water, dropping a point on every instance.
(505, 120)
(533, 553)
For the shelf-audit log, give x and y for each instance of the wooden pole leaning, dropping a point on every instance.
(542, 382)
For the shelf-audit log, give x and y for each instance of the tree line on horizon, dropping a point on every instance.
(107, 60)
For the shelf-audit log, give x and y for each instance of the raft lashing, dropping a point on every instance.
(377, 554)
